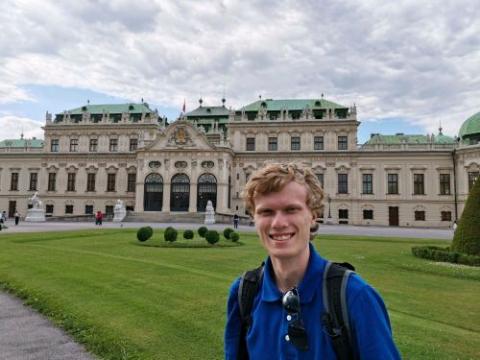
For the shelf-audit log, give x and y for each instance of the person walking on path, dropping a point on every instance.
(17, 217)
(235, 221)
(98, 218)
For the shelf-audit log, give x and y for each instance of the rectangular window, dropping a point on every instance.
(52, 179)
(419, 215)
(444, 184)
(133, 144)
(68, 209)
(71, 181)
(295, 143)
(109, 210)
(73, 145)
(33, 182)
(318, 143)
(14, 181)
(113, 145)
(472, 177)
(91, 182)
(89, 209)
(320, 179)
(250, 144)
(93, 145)
(392, 183)
(343, 143)
(272, 144)
(446, 215)
(131, 182)
(367, 214)
(111, 182)
(418, 184)
(54, 145)
(343, 213)
(343, 183)
(367, 184)
(49, 209)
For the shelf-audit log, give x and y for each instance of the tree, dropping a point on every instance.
(467, 236)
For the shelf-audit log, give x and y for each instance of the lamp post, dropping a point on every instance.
(329, 220)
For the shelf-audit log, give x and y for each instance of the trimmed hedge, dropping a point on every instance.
(188, 234)
(202, 231)
(212, 236)
(467, 236)
(227, 232)
(234, 236)
(144, 233)
(170, 234)
(446, 255)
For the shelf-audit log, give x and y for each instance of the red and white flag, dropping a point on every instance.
(184, 106)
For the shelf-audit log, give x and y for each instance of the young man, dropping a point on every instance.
(284, 201)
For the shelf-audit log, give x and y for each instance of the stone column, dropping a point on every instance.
(192, 207)
(139, 196)
(166, 197)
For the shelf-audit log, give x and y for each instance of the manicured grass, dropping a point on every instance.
(126, 301)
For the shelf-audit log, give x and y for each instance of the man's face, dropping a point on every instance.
(283, 221)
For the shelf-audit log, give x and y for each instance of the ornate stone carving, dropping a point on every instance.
(180, 137)
(208, 164)
(154, 164)
(181, 164)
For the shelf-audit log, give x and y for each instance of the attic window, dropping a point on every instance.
(318, 103)
(263, 104)
(84, 108)
(209, 110)
(130, 107)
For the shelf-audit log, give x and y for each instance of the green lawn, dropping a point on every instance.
(127, 301)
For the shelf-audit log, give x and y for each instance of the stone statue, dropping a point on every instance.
(36, 213)
(209, 213)
(119, 211)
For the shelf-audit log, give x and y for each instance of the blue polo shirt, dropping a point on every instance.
(266, 337)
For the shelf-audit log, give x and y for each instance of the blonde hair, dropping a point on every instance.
(274, 177)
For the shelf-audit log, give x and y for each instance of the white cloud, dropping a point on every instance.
(415, 60)
(12, 127)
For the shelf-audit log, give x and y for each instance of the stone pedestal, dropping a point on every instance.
(209, 214)
(35, 215)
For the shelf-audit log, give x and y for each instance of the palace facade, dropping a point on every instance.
(93, 155)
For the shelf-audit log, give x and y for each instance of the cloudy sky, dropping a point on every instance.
(408, 65)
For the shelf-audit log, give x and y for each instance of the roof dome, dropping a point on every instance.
(471, 127)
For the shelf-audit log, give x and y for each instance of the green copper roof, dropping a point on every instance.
(207, 111)
(112, 109)
(300, 104)
(21, 143)
(471, 126)
(408, 139)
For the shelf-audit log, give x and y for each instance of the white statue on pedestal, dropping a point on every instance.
(36, 212)
(209, 213)
(119, 212)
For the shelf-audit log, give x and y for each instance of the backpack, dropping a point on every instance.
(335, 316)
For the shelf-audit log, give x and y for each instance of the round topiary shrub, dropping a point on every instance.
(144, 233)
(234, 236)
(227, 232)
(188, 234)
(170, 234)
(212, 236)
(202, 231)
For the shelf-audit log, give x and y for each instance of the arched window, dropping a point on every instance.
(180, 193)
(153, 193)
(206, 190)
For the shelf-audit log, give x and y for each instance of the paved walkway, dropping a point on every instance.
(26, 335)
(443, 234)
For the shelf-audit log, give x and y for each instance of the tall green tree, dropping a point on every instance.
(467, 235)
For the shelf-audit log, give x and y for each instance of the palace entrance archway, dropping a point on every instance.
(153, 193)
(206, 190)
(180, 193)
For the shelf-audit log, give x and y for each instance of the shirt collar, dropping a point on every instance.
(310, 282)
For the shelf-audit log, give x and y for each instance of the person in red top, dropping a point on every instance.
(98, 218)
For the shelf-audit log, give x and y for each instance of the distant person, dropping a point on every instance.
(16, 217)
(98, 218)
(454, 226)
(4, 216)
(236, 219)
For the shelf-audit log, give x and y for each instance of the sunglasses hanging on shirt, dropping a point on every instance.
(296, 331)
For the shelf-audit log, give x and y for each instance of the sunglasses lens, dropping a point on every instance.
(291, 301)
(298, 337)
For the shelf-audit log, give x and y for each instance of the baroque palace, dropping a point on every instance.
(93, 155)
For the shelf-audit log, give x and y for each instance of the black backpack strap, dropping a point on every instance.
(249, 285)
(335, 318)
